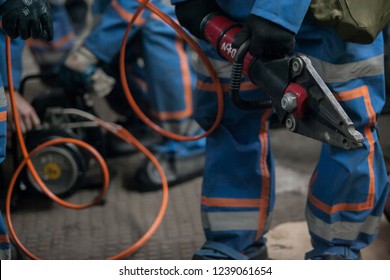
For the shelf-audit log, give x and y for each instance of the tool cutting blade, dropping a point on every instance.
(327, 110)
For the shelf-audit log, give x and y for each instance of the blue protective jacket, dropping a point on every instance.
(287, 13)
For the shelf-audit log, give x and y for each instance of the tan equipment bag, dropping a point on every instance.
(357, 21)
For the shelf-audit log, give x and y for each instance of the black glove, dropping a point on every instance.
(268, 40)
(27, 18)
(191, 13)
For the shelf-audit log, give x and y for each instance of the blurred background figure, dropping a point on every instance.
(49, 55)
(160, 76)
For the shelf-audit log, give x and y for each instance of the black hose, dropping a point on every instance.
(235, 83)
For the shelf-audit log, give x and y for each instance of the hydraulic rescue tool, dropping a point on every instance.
(301, 99)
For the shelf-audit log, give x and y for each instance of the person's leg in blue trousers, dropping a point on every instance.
(238, 185)
(168, 75)
(348, 189)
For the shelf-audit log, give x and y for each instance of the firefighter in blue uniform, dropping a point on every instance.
(348, 189)
(166, 79)
(24, 18)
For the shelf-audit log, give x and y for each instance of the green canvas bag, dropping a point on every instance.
(357, 21)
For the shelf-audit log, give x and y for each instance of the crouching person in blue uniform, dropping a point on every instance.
(164, 77)
(26, 19)
(348, 189)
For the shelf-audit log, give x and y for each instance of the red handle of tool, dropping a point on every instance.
(220, 31)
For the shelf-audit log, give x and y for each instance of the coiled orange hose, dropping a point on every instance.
(116, 130)
(146, 4)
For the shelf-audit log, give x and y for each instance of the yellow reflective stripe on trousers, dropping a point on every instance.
(227, 221)
(341, 230)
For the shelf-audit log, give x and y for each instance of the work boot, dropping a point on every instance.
(338, 257)
(333, 257)
(181, 161)
(261, 254)
(117, 147)
(220, 251)
(334, 253)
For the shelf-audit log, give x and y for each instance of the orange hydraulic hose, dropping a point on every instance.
(115, 129)
(146, 4)
(22, 144)
(19, 170)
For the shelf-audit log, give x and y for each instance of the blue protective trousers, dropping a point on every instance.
(347, 192)
(167, 74)
(53, 53)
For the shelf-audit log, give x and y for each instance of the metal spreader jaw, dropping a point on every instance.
(303, 102)
(322, 117)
